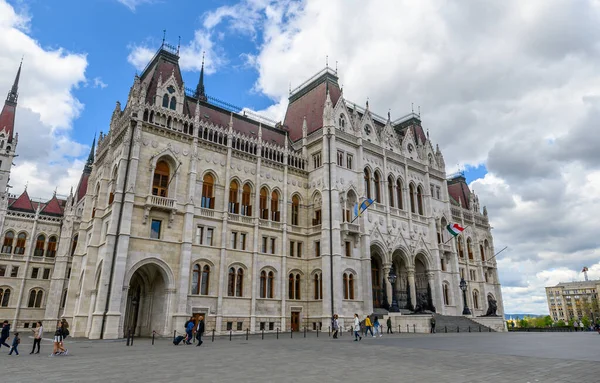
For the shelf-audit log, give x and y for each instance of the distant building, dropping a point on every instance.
(574, 300)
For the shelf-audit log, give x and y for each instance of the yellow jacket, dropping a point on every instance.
(368, 322)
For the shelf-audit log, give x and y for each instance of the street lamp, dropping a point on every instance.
(392, 277)
(463, 287)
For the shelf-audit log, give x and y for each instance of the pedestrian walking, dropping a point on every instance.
(65, 333)
(357, 336)
(38, 334)
(15, 344)
(200, 331)
(389, 326)
(368, 326)
(189, 331)
(335, 326)
(4, 334)
(58, 348)
(432, 322)
(377, 326)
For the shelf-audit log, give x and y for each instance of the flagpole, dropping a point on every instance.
(465, 228)
(505, 247)
(358, 215)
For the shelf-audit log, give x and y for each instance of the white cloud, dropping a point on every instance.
(133, 4)
(46, 107)
(140, 56)
(98, 83)
(509, 84)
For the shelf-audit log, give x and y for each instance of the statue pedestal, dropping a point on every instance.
(495, 323)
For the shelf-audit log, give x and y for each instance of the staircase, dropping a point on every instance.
(445, 323)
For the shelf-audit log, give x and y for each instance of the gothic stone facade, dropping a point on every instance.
(187, 208)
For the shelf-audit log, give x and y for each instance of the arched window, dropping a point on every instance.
(391, 191)
(40, 243)
(205, 280)
(476, 299)
(399, 195)
(291, 287)
(4, 297)
(271, 285)
(35, 298)
(74, 244)
(345, 286)
(38, 298)
(264, 211)
(208, 201)
(351, 286)
(342, 122)
(316, 287)
(461, 251)
(275, 206)
(420, 199)
(7, 245)
(470, 248)
(173, 104)
(239, 285)
(20, 247)
(145, 118)
(165, 101)
(367, 179)
(113, 187)
(234, 206)
(295, 210)
(51, 252)
(446, 295)
(246, 201)
(196, 279)
(231, 283)
(376, 182)
(411, 192)
(298, 295)
(63, 299)
(482, 252)
(263, 284)
(160, 183)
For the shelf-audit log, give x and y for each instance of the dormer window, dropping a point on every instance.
(173, 103)
(165, 103)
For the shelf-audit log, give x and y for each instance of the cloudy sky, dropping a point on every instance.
(509, 89)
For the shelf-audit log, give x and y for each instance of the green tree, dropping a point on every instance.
(586, 321)
(524, 323)
(548, 321)
(571, 321)
(561, 323)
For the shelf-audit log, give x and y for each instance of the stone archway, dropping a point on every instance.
(147, 301)
(377, 279)
(402, 286)
(424, 298)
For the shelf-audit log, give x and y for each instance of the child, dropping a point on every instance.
(15, 344)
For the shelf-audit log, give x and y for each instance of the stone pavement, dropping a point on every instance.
(462, 358)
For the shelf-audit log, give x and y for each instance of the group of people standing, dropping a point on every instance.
(367, 325)
(61, 332)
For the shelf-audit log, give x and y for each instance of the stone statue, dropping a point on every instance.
(492, 307)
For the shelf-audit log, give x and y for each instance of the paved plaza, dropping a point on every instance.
(476, 357)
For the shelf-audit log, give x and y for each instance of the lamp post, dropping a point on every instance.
(392, 277)
(330, 221)
(463, 287)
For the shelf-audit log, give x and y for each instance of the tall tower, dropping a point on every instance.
(8, 139)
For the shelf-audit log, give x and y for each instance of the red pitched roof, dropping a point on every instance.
(309, 102)
(459, 191)
(53, 207)
(7, 119)
(23, 203)
(82, 187)
(162, 65)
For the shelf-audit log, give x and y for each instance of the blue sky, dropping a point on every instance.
(496, 84)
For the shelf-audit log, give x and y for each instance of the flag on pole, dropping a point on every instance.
(359, 209)
(585, 269)
(455, 229)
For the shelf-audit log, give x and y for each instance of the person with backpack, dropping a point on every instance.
(189, 328)
(389, 326)
(335, 326)
(65, 331)
(200, 331)
(58, 341)
(357, 336)
(15, 344)
(4, 334)
(368, 326)
(38, 333)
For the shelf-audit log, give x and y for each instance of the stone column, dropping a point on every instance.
(284, 244)
(413, 287)
(29, 249)
(388, 286)
(253, 274)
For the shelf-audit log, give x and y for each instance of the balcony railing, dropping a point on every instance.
(351, 228)
(161, 202)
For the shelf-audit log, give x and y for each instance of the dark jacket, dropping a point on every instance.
(5, 332)
(58, 332)
(16, 341)
(200, 328)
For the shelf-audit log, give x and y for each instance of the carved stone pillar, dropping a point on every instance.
(386, 283)
(413, 287)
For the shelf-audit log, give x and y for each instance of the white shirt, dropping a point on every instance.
(356, 324)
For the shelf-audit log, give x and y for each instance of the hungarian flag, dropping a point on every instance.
(455, 229)
(585, 269)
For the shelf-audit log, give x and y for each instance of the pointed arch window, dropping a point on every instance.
(20, 247)
(420, 200)
(399, 195)
(234, 206)
(165, 103)
(446, 295)
(264, 211)
(231, 283)
(263, 284)
(40, 243)
(482, 252)
(476, 299)
(196, 279)
(275, 216)
(377, 187)
(295, 210)
(51, 252)
(291, 286)
(63, 299)
(345, 286)
(239, 286)
(4, 297)
(391, 191)
(7, 245)
(205, 280)
(351, 286)
(298, 287)
(160, 182)
(246, 200)
(317, 287)
(35, 298)
(470, 248)
(461, 251)
(411, 192)
(367, 179)
(342, 122)
(74, 244)
(208, 200)
(271, 285)
(173, 104)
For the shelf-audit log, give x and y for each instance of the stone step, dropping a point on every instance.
(448, 323)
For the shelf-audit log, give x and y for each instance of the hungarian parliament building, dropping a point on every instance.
(188, 206)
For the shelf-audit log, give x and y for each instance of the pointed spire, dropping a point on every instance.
(13, 95)
(259, 131)
(200, 95)
(231, 122)
(7, 116)
(90, 160)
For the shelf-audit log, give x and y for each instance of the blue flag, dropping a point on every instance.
(358, 210)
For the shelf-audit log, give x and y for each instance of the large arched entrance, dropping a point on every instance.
(378, 284)
(424, 299)
(402, 287)
(147, 306)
